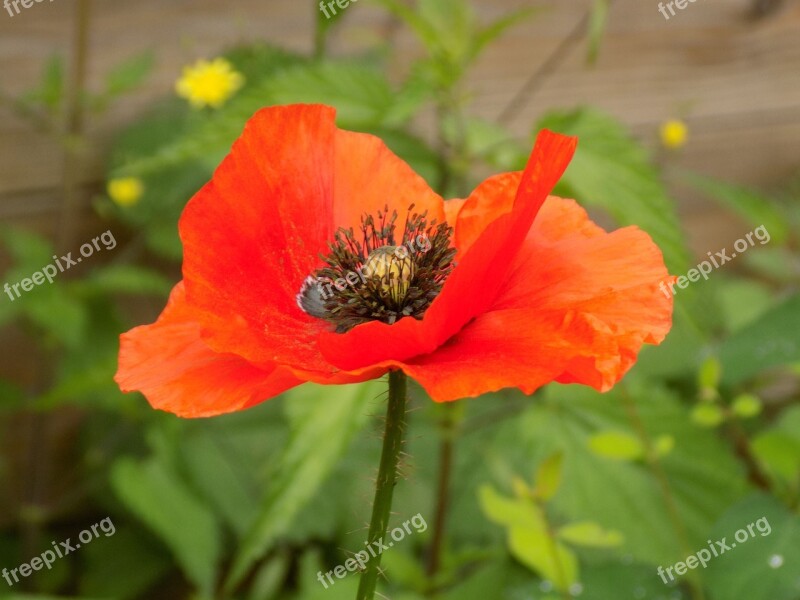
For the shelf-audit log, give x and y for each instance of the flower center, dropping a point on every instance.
(373, 277)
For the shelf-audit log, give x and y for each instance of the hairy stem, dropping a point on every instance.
(393, 439)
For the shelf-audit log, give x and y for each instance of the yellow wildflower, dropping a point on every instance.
(209, 83)
(125, 191)
(674, 134)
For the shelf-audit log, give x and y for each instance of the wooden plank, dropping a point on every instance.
(710, 60)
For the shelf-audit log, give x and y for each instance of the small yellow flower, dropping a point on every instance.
(674, 134)
(125, 191)
(209, 83)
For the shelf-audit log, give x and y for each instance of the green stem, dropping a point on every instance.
(393, 439)
(447, 432)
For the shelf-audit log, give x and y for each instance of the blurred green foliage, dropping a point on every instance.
(567, 493)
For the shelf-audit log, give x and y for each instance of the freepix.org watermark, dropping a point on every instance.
(681, 4)
(50, 271)
(7, 4)
(60, 550)
(704, 268)
(360, 559)
(702, 557)
(342, 4)
(380, 264)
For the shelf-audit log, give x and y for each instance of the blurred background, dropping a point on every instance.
(689, 127)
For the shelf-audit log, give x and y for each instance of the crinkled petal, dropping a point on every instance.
(177, 372)
(577, 307)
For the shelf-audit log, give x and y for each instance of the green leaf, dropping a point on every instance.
(128, 279)
(361, 94)
(212, 473)
(312, 589)
(424, 30)
(79, 384)
(756, 208)
(680, 353)
(50, 92)
(259, 61)
(710, 373)
(769, 342)
(548, 557)
(612, 171)
(743, 301)
(597, 26)
(159, 498)
(453, 24)
(418, 154)
(763, 565)
(30, 251)
(488, 141)
(511, 512)
(407, 570)
(622, 581)
(548, 476)
(321, 432)
(664, 445)
(491, 32)
(773, 262)
(485, 579)
(589, 533)
(61, 316)
(327, 18)
(779, 447)
(746, 406)
(708, 415)
(108, 571)
(617, 445)
(449, 31)
(567, 416)
(269, 581)
(174, 135)
(129, 74)
(780, 452)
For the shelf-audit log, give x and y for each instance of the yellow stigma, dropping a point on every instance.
(674, 134)
(393, 267)
(209, 83)
(125, 191)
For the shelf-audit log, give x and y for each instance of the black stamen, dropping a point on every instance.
(376, 279)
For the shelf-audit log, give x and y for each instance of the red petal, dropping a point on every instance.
(177, 372)
(474, 283)
(491, 199)
(577, 307)
(369, 176)
(254, 233)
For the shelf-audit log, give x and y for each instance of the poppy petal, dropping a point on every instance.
(255, 232)
(577, 307)
(490, 200)
(177, 372)
(370, 177)
(461, 299)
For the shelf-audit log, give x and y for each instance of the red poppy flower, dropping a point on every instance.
(509, 287)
